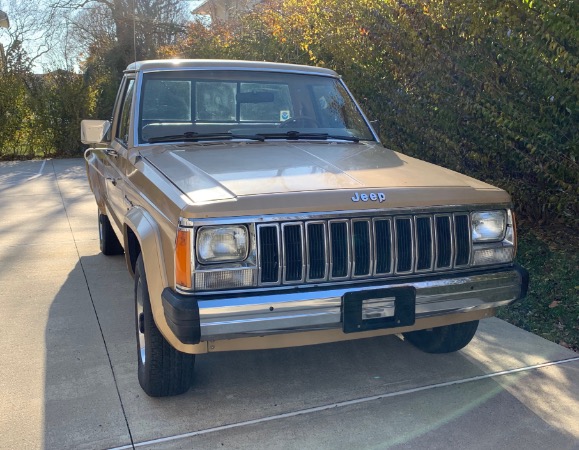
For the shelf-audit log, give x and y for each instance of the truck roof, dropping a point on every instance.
(223, 64)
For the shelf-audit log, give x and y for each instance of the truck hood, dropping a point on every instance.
(217, 172)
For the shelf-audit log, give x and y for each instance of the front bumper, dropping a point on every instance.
(194, 319)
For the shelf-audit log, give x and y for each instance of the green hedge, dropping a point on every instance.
(41, 114)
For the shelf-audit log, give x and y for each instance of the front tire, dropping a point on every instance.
(445, 339)
(163, 370)
(108, 240)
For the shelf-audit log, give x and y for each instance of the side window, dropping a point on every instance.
(125, 114)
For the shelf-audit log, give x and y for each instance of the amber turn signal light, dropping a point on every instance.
(183, 258)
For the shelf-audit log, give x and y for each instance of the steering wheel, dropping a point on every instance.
(300, 122)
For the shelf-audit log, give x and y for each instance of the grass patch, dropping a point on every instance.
(551, 308)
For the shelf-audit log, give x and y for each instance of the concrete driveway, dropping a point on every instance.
(68, 365)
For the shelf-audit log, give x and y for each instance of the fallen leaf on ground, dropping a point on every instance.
(554, 304)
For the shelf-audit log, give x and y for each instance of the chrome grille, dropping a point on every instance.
(342, 249)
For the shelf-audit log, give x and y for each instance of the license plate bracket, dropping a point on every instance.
(354, 303)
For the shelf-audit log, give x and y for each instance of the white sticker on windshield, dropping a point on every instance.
(284, 115)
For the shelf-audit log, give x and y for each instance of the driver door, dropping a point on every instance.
(116, 156)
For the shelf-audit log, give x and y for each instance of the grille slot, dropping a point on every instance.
(404, 245)
(361, 246)
(316, 244)
(343, 249)
(269, 254)
(423, 244)
(293, 252)
(339, 249)
(383, 237)
(462, 238)
(443, 242)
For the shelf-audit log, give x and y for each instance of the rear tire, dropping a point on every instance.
(445, 339)
(108, 240)
(163, 370)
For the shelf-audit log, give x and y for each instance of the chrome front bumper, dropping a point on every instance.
(195, 319)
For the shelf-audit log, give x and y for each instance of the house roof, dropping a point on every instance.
(201, 8)
(4, 22)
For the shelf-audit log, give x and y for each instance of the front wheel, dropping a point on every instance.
(163, 370)
(445, 339)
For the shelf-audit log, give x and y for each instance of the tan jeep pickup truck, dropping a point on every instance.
(256, 209)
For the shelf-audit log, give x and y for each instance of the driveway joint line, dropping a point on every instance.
(343, 404)
(95, 312)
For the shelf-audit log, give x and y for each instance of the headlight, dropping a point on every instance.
(488, 226)
(493, 236)
(222, 244)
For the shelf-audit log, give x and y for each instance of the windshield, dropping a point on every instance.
(192, 105)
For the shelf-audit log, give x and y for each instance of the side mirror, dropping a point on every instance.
(94, 131)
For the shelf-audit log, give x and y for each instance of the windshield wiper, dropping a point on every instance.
(296, 135)
(193, 136)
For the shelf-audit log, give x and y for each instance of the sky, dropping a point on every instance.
(46, 62)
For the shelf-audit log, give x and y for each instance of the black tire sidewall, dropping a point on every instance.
(445, 339)
(108, 241)
(166, 371)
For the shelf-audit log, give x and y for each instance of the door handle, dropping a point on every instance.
(111, 152)
(112, 180)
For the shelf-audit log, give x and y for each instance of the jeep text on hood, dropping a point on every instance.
(256, 208)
